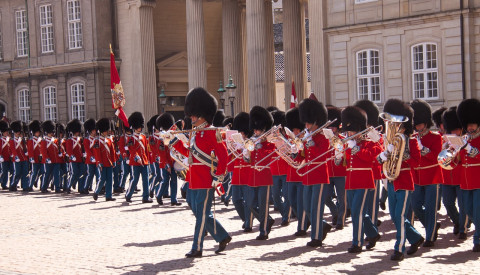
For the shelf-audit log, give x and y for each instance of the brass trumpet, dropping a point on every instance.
(250, 143)
(446, 158)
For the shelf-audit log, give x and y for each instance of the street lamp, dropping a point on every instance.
(222, 91)
(231, 93)
(163, 99)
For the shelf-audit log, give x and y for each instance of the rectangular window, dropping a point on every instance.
(46, 27)
(368, 75)
(425, 71)
(74, 24)
(50, 102)
(22, 34)
(24, 105)
(78, 101)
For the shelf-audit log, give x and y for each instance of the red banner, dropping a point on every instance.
(118, 96)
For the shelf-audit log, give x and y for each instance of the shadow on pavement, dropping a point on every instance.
(166, 266)
(158, 243)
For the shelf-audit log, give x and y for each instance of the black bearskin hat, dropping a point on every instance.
(103, 125)
(25, 127)
(16, 126)
(437, 116)
(467, 112)
(292, 118)
(397, 107)
(260, 119)
(354, 119)
(371, 109)
(278, 118)
(450, 120)
(4, 126)
(74, 126)
(422, 113)
(188, 123)
(334, 113)
(60, 128)
(164, 121)
(48, 127)
(218, 118)
(227, 121)
(89, 125)
(136, 120)
(241, 123)
(312, 111)
(34, 126)
(152, 123)
(200, 103)
(271, 109)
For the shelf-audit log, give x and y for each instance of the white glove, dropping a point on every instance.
(17, 159)
(293, 149)
(216, 183)
(126, 148)
(468, 148)
(167, 137)
(85, 155)
(338, 154)
(351, 143)
(128, 162)
(246, 153)
(383, 156)
(185, 162)
(49, 161)
(390, 148)
(420, 145)
(1, 159)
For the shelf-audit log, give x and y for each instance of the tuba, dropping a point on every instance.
(447, 157)
(393, 124)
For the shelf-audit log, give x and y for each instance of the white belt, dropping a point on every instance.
(405, 169)
(471, 165)
(359, 169)
(426, 167)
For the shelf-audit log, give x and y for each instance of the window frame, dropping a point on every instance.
(364, 1)
(46, 28)
(51, 107)
(425, 71)
(24, 110)
(369, 76)
(74, 25)
(76, 114)
(23, 31)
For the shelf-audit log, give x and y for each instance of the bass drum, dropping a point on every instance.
(180, 171)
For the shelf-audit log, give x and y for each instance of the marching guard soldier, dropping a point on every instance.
(75, 155)
(51, 151)
(207, 157)
(5, 158)
(467, 113)
(153, 156)
(105, 157)
(138, 157)
(89, 144)
(34, 153)
(127, 171)
(18, 149)
(425, 197)
(164, 163)
(60, 130)
(400, 190)
(437, 118)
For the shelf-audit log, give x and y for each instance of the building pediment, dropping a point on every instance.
(175, 61)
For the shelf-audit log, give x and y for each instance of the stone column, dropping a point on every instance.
(318, 44)
(271, 88)
(232, 51)
(257, 53)
(295, 49)
(243, 26)
(197, 64)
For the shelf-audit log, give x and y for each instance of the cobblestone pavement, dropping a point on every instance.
(72, 234)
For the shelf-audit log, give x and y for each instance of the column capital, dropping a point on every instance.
(143, 3)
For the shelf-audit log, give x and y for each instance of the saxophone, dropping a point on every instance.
(393, 124)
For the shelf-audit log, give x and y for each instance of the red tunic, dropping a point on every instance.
(105, 154)
(292, 175)
(336, 170)
(264, 177)
(88, 145)
(199, 175)
(318, 145)
(5, 145)
(359, 165)
(18, 149)
(74, 149)
(51, 149)
(33, 148)
(241, 172)
(470, 166)
(405, 178)
(139, 150)
(428, 171)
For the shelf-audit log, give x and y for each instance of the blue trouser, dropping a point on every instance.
(226, 186)
(314, 205)
(76, 178)
(450, 193)
(201, 207)
(238, 200)
(384, 193)
(106, 174)
(361, 222)
(127, 171)
(37, 172)
(372, 202)
(7, 167)
(259, 196)
(118, 173)
(187, 191)
(398, 204)
(52, 170)
(279, 183)
(156, 178)
(471, 202)
(295, 196)
(137, 170)
(424, 204)
(63, 176)
(341, 206)
(20, 170)
(168, 178)
(91, 171)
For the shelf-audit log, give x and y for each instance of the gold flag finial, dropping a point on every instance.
(111, 49)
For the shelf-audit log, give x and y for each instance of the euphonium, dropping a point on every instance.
(446, 158)
(393, 124)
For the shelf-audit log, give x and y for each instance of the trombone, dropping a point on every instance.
(250, 143)
(338, 145)
(221, 129)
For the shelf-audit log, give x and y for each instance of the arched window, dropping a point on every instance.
(24, 105)
(425, 71)
(78, 101)
(368, 75)
(50, 102)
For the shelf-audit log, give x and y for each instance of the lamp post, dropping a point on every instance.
(163, 99)
(231, 87)
(222, 91)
